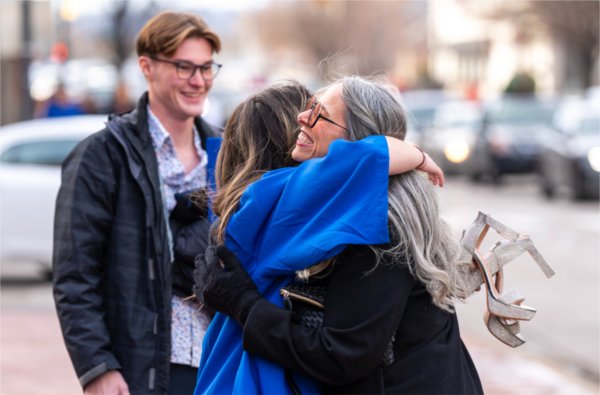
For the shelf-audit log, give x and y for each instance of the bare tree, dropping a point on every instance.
(356, 36)
(125, 24)
(121, 44)
(574, 25)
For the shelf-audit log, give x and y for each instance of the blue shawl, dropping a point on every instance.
(289, 220)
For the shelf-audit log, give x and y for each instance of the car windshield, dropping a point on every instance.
(457, 116)
(520, 112)
(44, 152)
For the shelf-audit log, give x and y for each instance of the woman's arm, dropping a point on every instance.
(361, 314)
(405, 157)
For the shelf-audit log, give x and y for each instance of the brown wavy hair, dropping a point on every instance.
(258, 137)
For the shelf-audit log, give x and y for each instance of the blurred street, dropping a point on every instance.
(566, 233)
(491, 89)
(561, 353)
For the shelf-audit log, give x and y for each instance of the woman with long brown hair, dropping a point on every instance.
(396, 278)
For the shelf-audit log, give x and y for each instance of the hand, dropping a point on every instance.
(435, 174)
(201, 271)
(110, 383)
(228, 288)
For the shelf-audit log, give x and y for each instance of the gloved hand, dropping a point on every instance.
(228, 289)
(200, 276)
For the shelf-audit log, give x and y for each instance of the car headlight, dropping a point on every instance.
(593, 157)
(457, 151)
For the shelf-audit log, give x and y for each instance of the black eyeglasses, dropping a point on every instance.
(315, 108)
(185, 70)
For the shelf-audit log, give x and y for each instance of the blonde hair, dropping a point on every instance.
(165, 32)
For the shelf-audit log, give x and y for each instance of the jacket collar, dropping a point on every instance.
(136, 121)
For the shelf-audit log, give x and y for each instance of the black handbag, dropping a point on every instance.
(307, 301)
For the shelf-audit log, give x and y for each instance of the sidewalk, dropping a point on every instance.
(503, 372)
(34, 361)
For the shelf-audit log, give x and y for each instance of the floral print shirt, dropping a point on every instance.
(188, 322)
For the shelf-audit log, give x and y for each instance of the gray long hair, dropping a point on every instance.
(419, 238)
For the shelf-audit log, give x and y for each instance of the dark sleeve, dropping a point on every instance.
(190, 228)
(82, 223)
(361, 314)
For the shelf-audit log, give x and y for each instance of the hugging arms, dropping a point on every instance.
(400, 261)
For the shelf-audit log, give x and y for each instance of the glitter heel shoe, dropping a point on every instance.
(499, 255)
(471, 242)
(507, 331)
(473, 279)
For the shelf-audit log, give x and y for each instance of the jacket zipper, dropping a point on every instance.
(287, 295)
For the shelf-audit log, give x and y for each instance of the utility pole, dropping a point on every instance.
(26, 47)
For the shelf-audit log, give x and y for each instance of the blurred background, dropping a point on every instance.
(504, 95)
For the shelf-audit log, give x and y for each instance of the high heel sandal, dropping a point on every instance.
(471, 241)
(470, 237)
(504, 311)
(506, 250)
(507, 331)
(503, 252)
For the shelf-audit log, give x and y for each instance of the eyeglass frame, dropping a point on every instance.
(177, 64)
(319, 115)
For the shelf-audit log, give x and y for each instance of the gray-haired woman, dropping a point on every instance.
(389, 325)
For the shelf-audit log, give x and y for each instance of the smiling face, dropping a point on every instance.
(174, 97)
(313, 142)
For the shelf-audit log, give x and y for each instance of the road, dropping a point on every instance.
(561, 353)
(566, 328)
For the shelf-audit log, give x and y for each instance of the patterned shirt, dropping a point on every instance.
(188, 323)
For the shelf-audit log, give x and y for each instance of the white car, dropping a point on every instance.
(31, 153)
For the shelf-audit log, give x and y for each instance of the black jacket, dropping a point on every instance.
(111, 261)
(362, 313)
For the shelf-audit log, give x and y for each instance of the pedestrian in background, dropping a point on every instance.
(125, 231)
(60, 105)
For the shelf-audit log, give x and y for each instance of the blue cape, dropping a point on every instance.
(289, 220)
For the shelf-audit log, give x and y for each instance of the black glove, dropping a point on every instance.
(188, 242)
(228, 289)
(190, 205)
(200, 276)
(201, 271)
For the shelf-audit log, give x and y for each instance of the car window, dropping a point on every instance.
(590, 126)
(50, 153)
(456, 115)
(520, 112)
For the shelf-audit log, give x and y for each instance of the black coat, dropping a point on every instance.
(362, 313)
(112, 261)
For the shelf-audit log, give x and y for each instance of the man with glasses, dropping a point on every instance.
(126, 231)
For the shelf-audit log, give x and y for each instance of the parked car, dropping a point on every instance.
(451, 138)
(509, 139)
(420, 106)
(570, 159)
(31, 153)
